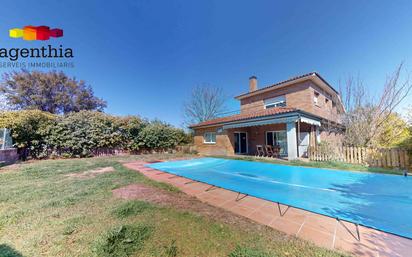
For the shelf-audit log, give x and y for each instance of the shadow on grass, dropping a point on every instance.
(8, 251)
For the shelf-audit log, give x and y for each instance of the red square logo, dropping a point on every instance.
(43, 33)
(56, 32)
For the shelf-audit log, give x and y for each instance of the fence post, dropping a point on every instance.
(402, 159)
(407, 164)
(395, 158)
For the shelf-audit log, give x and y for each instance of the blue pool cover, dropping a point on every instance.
(379, 201)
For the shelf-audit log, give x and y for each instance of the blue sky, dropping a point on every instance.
(144, 57)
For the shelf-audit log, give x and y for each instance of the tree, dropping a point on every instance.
(52, 92)
(395, 132)
(204, 104)
(366, 117)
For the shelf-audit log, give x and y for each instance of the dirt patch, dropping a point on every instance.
(90, 173)
(9, 167)
(182, 201)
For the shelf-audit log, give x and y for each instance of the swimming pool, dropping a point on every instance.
(380, 201)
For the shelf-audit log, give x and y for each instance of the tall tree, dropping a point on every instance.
(367, 117)
(52, 92)
(205, 103)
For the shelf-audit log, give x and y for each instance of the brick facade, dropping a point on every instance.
(299, 95)
(225, 141)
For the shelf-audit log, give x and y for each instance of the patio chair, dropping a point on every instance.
(269, 150)
(276, 151)
(259, 151)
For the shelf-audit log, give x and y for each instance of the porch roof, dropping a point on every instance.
(266, 116)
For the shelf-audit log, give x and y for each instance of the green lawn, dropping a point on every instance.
(43, 212)
(323, 165)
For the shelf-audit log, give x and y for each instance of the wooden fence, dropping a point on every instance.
(376, 157)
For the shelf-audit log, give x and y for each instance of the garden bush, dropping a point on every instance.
(159, 135)
(85, 133)
(29, 130)
(80, 134)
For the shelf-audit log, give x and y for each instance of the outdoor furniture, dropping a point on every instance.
(269, 150)
(259, 151)
(276, 151)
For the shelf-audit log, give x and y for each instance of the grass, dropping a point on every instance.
(43, 212)
(322, 165)
(130, 208)
(122, 241)
(248, 252)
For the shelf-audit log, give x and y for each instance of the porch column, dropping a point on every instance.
(292, 142)
(317, 135)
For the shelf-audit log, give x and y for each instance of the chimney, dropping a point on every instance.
(253, 84)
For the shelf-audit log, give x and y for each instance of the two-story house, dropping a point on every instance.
(293, 115)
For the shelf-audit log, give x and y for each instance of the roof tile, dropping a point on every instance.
(245, 116)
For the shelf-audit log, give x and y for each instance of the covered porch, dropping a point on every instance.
(291, 134)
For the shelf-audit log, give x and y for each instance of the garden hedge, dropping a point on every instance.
(81, 134)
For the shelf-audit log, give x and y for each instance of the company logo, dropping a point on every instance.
(46, 56)
(35, 33)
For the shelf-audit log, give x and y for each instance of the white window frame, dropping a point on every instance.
(316, 96)
(278, 101)
(205, 136)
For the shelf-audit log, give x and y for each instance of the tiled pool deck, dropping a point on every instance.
(321, 230)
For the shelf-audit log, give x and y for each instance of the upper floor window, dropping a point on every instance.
(316, 98)
(279, 101)
(209, 138)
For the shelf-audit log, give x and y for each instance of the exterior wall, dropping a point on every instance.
(257, 135)
(325, 108)
(9, 155)
(224, 142)
(298, 96)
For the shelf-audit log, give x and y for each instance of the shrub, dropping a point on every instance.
(84, 133)
(80, 134)
(160, 136)
(122, 241)
(29, 129)
(131, 126)
(131, 208)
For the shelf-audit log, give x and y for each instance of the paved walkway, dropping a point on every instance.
(321, 230)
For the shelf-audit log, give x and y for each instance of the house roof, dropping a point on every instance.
(311, 75)
(245, 116)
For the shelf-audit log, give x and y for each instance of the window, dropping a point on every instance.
(278, 138)
(209, 138)
(326, 101)
(279, 101)
(316, 98)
